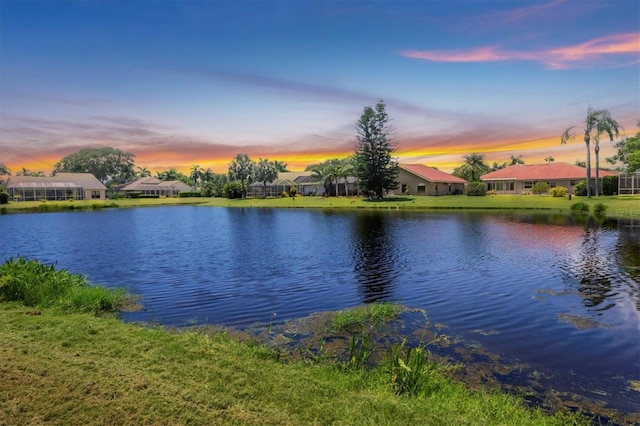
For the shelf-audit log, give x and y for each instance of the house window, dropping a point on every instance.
(552, 184)
(95, 194)
(404, 188)
(573, 182)
(422, 188)
(511, 186)
(528, 184)
(499, 186)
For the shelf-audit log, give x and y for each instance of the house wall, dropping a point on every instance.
(95, 194)
(414, 185)
(525, 187)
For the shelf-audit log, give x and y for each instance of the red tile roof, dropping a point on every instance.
(543, 172)
(430, 174)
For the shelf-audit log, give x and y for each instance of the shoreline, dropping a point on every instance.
(627, 207)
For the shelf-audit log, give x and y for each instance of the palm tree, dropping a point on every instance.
(196, 174)
(282, 167)
(472, 168)
(497, 166)
(549, 159)
(597, 122)
(143, 172)
(516, 160)
(207, 175)
(265, 172)
(611, 127)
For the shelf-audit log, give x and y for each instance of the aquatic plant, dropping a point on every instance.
(358, 318)
(579, 207)
(411, 372)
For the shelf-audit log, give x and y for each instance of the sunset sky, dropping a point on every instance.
(179, 83)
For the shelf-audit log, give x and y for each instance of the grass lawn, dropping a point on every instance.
(617, 206)
(79, 369)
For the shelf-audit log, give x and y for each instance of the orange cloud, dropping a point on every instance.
(603, 51)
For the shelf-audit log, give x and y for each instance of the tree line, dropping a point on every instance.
(372, 164)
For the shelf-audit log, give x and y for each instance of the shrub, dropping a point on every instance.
(558, 191)
(149, 196)
(293, 191)
(284, 194)
(134, 194)
(492, 192)
(599, 209)
(185, 194)
(117, 195)
(4, 198)
(232, 190)
(540, 188)
(476, 189)
(580, 207)
(580, 188)
(609, 185)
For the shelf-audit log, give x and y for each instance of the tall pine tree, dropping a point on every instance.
(376, 169)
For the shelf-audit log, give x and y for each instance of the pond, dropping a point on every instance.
(558, 294)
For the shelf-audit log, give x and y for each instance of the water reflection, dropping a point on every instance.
(375, 257)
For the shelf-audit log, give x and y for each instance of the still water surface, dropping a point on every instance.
(537, 289)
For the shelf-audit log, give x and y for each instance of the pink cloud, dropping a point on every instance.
(602, 51)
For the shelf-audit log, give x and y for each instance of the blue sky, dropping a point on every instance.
(196, 82)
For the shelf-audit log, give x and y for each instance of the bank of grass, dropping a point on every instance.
(361, 317)
(76, 368)
(617, 206)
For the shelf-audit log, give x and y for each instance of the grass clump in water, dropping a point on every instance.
(35, 284)
(361, 317)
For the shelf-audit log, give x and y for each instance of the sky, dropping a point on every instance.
(179, 83)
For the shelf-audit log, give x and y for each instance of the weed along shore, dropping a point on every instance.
(68, 359)
(615, 206)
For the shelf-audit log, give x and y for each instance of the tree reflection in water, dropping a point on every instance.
(375, 255)
(600, 272)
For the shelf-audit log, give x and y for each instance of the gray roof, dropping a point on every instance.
(61, 180)
(153, 183)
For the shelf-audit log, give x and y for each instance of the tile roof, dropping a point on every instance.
(543, 172)
(60, 180)
(152, 183)
(430, 174)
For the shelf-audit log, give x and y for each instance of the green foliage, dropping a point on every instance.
(472, 168)
(265, 171)
(375, 167)
(411, 373)
(4, 198)
(580, 188)
(110, 166)
(232, 190)
(360, 349)
(360, 317)
(476, 189)
(599, 209)
(609, 185)
(213, 184)
(330, 171)
(186, 194)
(35, 284)
(172, 174)
(540, 188)
(149, 196)
(293, 191)
(579, 207)
(558, 191)
(241, 169)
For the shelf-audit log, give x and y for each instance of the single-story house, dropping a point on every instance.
(153, 186)
(520, 178)
(418, 179)
(303, 181)
(62, 186)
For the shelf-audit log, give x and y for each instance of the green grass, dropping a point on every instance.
(74, 368)
(77, 369)
(617, 206)
(365, 316)
(38, 285)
